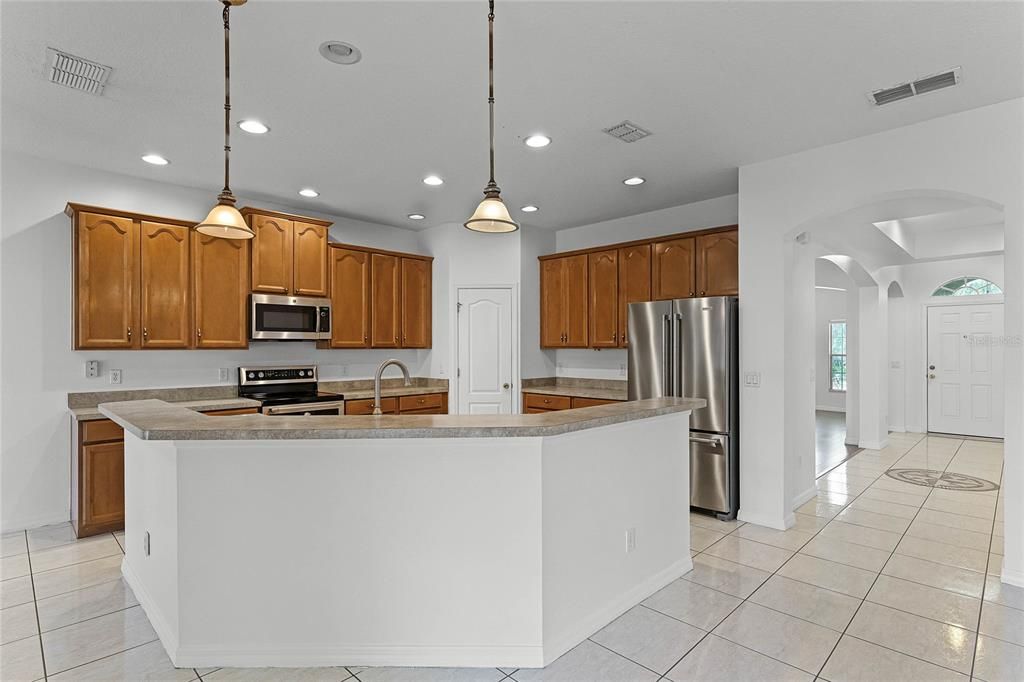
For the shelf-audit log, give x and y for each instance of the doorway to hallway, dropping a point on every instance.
(830, 448)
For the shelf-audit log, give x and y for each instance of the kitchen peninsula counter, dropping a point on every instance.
(420, 540)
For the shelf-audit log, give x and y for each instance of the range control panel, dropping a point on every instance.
(276, 375)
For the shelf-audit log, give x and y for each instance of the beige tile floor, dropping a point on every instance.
(877, 580)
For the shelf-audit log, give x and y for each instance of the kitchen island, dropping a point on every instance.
(445, 540)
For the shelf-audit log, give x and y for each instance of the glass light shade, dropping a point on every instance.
(491, 216)
(226, 222)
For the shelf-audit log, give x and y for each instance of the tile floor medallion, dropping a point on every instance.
(890, 574)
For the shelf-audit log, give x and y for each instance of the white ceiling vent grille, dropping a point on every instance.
(931, 83)
(76, 73)
(627, 132)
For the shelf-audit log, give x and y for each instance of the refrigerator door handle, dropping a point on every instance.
(705, 441)
(677, 355)
(666, 347)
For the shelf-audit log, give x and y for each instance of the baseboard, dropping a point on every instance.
(829, 408)
(34, 522)
(585, 627)
(805, 497)
(167, 634)
(873, 444)
(1015, 578)
(778, 523)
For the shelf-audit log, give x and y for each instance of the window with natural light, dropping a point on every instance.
(967, 286)
(837, 355)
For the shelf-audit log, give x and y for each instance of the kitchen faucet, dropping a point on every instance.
(376, 381)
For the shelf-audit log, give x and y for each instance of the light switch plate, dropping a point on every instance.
(752, 379)
(225, 374)
(92, 369)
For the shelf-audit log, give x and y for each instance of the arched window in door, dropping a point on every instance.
(967, 286)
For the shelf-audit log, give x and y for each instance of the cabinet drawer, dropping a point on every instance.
(101, 430)
(237, 410)
(536, 410)
(408, 403)
(546, 402)
(590, 402)
(365, 406)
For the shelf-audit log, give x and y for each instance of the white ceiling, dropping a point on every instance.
(719, 84)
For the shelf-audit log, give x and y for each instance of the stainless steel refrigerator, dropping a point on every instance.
(689, 347)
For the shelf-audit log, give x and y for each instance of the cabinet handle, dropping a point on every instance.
(615, 337)
(547, 400)
(129, 333)
(199, 334)
(421, 401)
(145, 332)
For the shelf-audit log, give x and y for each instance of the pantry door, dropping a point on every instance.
(484, 372)
(965, 369)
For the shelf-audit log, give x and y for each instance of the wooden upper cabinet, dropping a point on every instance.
(416, 302)
(271, 254)
(309, 259)
(220, 276)
(577, 312)
(718, 264)
(564, 303)
(385, 300)
(350, 298)
(634, 283)
(604, 298)
(673, 272)
(166, 297)
(106, 281)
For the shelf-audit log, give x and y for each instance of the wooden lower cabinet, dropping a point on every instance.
(228, 413)
(429, 403)
(98, 470)
(539, 403)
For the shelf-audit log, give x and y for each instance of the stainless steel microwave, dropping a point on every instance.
(289, 318)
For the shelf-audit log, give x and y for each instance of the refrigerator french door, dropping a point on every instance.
(689, 348)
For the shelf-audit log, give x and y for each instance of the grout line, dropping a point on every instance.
(101, 658)
(984, 583)
(630, 659)
(35, 605)
(86, 620)
(78, 589)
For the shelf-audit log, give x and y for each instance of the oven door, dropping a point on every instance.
(289, 318)
(333, 408)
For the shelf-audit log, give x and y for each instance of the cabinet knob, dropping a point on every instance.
(129, 333)
(145, 332)
(691, 293)
(199, 334)
(702, 293)
(547, 400)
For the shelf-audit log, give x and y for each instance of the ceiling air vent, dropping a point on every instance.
(76, 73)
(931, 83)
(627, 132)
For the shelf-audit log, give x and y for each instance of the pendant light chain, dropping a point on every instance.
(225, 194)
(490, 82)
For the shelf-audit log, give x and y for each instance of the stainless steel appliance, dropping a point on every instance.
(288, 390)
(289, 318)
(690, 347)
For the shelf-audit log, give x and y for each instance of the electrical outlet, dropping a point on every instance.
(225, 374)
(630, 539)
(115, 376)
(92, 369)
(622, 370)
(752, 379)
(145, 543)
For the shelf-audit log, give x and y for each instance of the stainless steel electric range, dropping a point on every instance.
(288, 390)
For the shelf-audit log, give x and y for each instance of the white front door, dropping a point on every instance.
(485, 351)
(965, 369)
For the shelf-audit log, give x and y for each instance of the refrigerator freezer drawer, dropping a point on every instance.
(709, 471)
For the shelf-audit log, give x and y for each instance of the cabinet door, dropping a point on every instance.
(552, 303)
(166, 295)
(385, 290)
(673, 269)
(350, 298)
(102, 496)
(271, 255)
(718, 264)
(416, 303)
(220, 276)
(604, 298)
(106, 278)
(576, 308)
(634, 282)
(309, 260)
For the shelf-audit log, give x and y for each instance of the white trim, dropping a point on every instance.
(829, 408)
(453, 360)
(874, 445)
(804, 497)
(35, 522)
(168, 635)
(1015, 578)
(778, 523)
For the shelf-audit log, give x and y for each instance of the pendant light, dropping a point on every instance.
(492, 214)
(224, 220)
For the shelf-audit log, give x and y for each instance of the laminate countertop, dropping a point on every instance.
(159, 420)
(84, 414)
(596, 392)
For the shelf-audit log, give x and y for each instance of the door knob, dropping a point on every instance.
(931, 376)
(505, 386)
(931, 366)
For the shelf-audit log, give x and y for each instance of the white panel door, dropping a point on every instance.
(965, 369)
(485, 351)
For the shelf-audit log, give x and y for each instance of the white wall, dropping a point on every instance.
(610, 363)
(980, 158)
(829, 305)
(38, 366)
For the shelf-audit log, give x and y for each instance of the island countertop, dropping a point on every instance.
(160, 420)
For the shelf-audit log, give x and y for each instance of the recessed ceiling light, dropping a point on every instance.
(433, 180)
(309, 192)
(529, 208)
(537, 141)
(251, 125)
(339, 52)
(635, 180)
(416, 216)
(155, 159)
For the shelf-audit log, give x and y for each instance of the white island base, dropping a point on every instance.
(439, 551)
